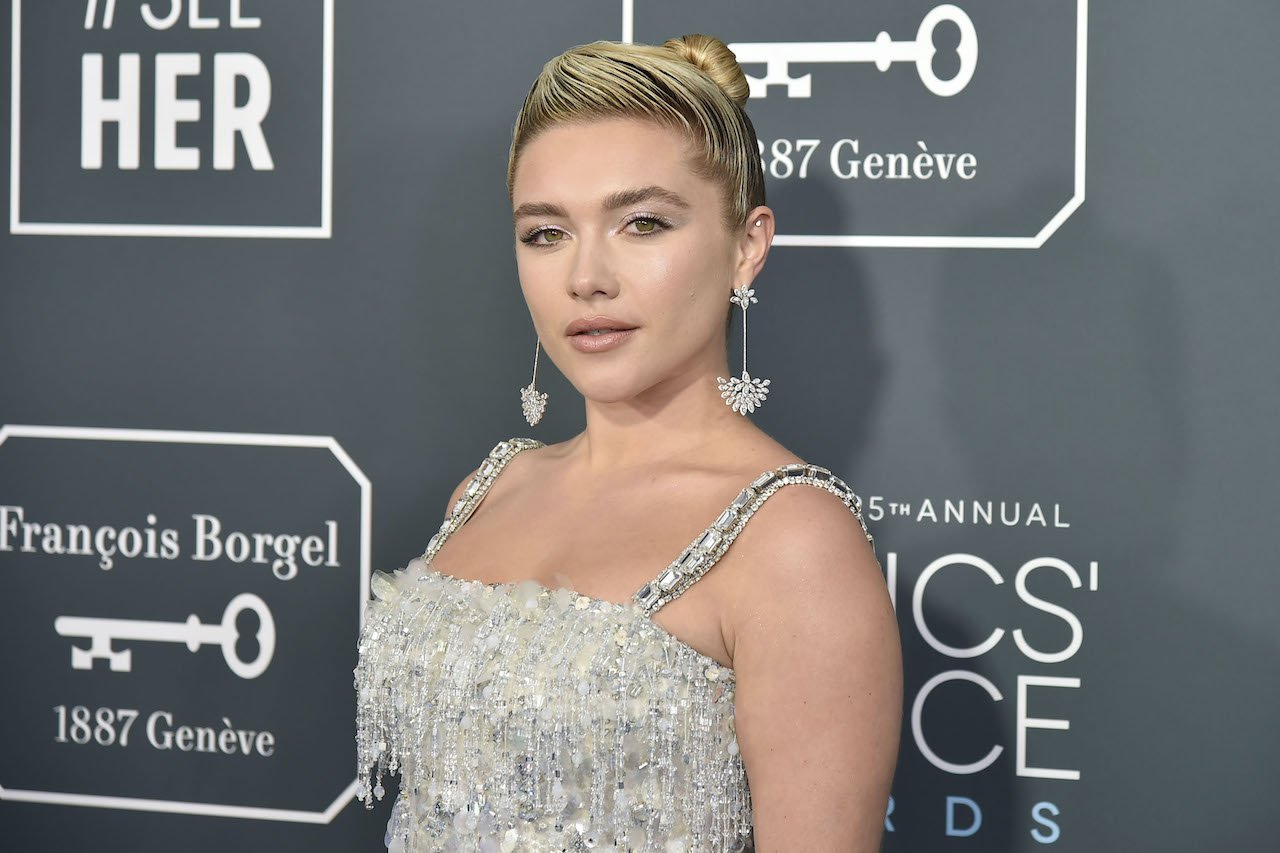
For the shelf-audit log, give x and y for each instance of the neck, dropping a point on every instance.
(681, 418)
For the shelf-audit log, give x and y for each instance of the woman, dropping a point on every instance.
(537, 677)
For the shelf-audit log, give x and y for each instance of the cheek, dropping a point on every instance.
(706, 288)
(703, 289)
(535, 284)
(525, 270)
(688, 308)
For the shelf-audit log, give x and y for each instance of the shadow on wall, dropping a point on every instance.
(812, 335)
(1060, 371)
(1075, 353)
(1064, 374)
(816, 338)
(960, 725)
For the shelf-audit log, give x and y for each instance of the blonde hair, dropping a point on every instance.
(692, 84)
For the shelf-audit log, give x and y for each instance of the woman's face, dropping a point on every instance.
(611, 223)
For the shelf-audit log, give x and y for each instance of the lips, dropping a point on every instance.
(596, 325)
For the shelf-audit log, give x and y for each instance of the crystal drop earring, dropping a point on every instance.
(743, 394)
(533, 403)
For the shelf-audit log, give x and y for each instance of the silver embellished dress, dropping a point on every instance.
(523, 718)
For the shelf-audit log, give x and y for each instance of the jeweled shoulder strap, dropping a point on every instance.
(478, 486)
(710, 545)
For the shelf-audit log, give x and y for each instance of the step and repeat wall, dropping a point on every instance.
(259, 313)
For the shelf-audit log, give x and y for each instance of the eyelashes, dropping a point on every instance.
(530, 237)
(660, 224)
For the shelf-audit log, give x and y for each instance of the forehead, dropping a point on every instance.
(589, 160)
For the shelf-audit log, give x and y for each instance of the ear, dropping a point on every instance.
(754, 238)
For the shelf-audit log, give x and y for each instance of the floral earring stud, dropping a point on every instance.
(743, 393)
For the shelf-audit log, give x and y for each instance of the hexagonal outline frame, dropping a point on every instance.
(323, 231)
(226, 438)
(960, 242)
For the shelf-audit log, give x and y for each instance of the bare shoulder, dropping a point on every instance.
(807, 584)
(819, 674)
(806, 538)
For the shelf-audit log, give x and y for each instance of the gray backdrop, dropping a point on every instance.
(258, 320)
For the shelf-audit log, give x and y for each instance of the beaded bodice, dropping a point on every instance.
(524, 718)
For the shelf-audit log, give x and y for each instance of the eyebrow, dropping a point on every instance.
(613, 201)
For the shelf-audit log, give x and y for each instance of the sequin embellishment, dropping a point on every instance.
(523, 718)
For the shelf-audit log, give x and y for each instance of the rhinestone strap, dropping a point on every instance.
(710, 545)
(502, 453)
(700, 555)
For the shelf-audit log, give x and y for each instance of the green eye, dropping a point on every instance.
(647, 225)
(548, 233)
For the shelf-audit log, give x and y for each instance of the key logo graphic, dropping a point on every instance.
(906, 124)
(187, 606)
(191, 633)
(883, 53)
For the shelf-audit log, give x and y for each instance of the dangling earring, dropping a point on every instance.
(743, 394)
(531, 402)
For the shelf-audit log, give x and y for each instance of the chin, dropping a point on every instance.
(607, 397)
(608, 390)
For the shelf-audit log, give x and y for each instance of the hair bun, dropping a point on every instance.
(714, 58)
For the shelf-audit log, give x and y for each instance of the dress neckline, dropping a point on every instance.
(694, 562)
(543, 589)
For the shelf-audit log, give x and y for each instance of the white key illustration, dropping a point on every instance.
(102, 632)
(884, 52)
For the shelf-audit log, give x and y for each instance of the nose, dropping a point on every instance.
(592, 270)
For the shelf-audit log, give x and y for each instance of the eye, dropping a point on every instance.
(554, 235)
(646, 224)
